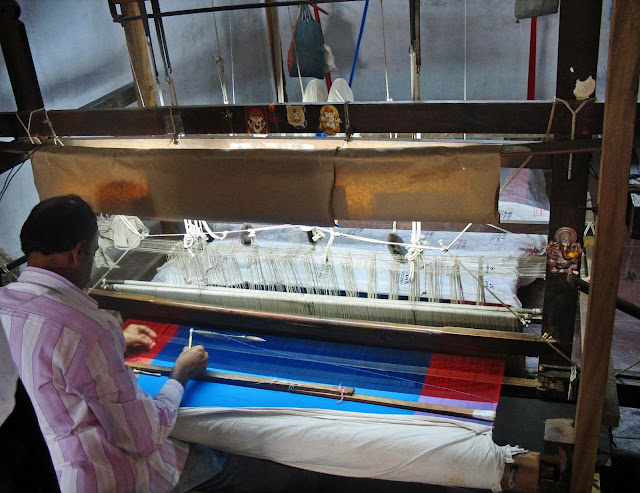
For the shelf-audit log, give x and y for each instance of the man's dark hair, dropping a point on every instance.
(57, 225)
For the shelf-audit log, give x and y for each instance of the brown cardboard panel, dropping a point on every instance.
(272, 185)
(228, 185)
(419, 184)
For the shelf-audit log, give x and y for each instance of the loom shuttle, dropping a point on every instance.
(217, 334)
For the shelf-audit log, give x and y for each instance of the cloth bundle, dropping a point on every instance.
(307, 51)
(420, 449)
(121, 232)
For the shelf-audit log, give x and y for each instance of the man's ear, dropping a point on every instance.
(79, 249)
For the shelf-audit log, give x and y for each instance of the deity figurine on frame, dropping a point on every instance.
(563, 254)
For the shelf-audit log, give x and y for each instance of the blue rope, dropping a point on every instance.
(355, 56)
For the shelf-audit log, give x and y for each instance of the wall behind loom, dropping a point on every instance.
(471, 49)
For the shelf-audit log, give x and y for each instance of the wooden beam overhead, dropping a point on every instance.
(620, 114)
(515, 118)
(120, 98)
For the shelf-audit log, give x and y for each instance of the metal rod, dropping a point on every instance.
(16, 263)
(246, 6)
(622, 305)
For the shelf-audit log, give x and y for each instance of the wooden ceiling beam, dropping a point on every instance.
(504, 118)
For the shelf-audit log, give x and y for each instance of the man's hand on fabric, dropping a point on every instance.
(191, 363)
(139, 338)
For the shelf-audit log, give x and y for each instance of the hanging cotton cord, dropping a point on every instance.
(384, 50)
(512, 177)
(135, 81)
(414, 251)
(627, 368)
(109, 270)
(128, 224)
(522, 319)
(233, 74)
(295, 51)
(27, 128)
(220, 61)
(150, 52)
(447, 248)
(574, 114)
(47, 120)
(329, 243)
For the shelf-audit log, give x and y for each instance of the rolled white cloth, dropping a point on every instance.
(315, 92)
(340, 92)
(401, 448)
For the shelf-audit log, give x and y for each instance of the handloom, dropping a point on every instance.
(418, 286)
(577, 60)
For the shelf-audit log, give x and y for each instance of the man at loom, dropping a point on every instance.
(103, 432)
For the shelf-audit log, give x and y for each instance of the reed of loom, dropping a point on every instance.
(304, 280)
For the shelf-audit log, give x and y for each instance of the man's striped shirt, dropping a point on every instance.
(103, 432)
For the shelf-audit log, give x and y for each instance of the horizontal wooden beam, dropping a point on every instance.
(251, 381)
(120, 98)
(504, 118)
(515, 228)
(319, 390)
(401, 336)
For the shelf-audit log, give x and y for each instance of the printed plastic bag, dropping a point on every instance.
(526, 9)
(307, 48)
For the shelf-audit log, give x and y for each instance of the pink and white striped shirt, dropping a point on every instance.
(103, 432)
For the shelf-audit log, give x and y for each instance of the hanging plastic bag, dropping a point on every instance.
(329, 60)
(307, 48)
(526, 9)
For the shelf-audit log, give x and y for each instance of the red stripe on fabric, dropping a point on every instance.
(164, 333)
(464, 378)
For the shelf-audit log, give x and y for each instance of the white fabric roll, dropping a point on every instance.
(315, 92)
(340, 92)
(394, 447)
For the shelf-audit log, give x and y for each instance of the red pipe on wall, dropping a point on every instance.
(531, 86)
(316, 11)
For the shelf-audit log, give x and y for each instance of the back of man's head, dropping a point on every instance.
(57, 225)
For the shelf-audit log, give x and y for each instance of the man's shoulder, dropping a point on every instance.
(53, 311)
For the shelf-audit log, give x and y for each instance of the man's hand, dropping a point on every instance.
(190, 364)
(139, 338)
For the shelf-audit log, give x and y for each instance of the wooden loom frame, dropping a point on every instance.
(578, 47)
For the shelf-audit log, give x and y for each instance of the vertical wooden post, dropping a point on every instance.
(17, 57)
(578, 40)
(143, 78)
(275, 47)
(619, 122)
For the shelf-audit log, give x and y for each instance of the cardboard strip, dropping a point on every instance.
(226, 185)
(446, 184)
(279, 185)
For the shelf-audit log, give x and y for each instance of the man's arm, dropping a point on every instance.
(133, 420)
